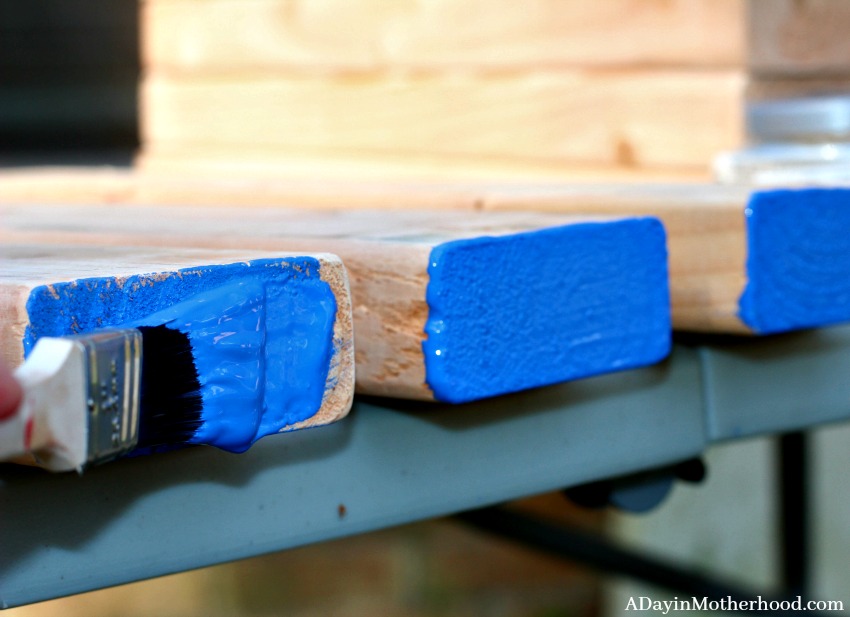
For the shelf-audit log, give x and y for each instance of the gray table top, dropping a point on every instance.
(394, 462)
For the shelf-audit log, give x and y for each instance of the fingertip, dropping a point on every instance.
(11, 393)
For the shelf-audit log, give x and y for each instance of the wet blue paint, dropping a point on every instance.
(261, 334)
(538, 308)
(798, 259)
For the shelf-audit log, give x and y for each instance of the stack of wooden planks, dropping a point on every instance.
(741, 260)
(473, 89)
(451, 306)
(441, 88)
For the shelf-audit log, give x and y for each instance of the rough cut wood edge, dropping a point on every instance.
(53, 263)
(789, 38)
(337, 400)
(281, 35)
(652, 119)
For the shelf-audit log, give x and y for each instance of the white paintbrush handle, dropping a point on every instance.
(51, 421)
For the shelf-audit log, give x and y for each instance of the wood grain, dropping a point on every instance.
(741, 260)
(643, 119)
(423, 90)
(221, 181)
(707, 234)
(28, 265)
(267, 170)
(216, 36)
(387, 254)
(706, 239)
(705, 224)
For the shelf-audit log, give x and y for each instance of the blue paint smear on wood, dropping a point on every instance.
(261, 334)
(532, 309)
(798, 259)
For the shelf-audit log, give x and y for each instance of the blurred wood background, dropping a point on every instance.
(427, 89)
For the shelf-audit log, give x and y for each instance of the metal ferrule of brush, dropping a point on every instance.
(114, 365)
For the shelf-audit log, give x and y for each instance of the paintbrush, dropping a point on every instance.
(220, 355)
(211, 370)
(92, 398)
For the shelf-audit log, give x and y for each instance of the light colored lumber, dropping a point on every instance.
(706, 239)
(741, 260)
(221, 181)
(67, 184)
(649, 119)
(799, 38)
(708, 235)
(215, 36)
(46, 290)
(268, 172)
(453, 305)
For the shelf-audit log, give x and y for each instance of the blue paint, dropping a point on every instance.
(261, 333)
(538, 308)
(798, 259)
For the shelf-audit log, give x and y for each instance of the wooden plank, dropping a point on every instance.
(281, 35)
(672, 119)
(451, 305)
(741, 261)
(270, 173)
(306, 185)
(69, 184)
(54, 290)
(798, 38)
(706, 239)
(710, 236)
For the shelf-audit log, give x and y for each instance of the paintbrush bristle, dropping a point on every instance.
(171, 404)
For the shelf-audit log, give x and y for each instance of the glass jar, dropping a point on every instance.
(793, 141)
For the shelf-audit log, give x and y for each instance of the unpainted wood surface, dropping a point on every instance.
(705, 223)
(386, 254)
(284, 35)
(266, 168)
(670, 119)
(222, 181)
(706, 239)
(29, 264)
